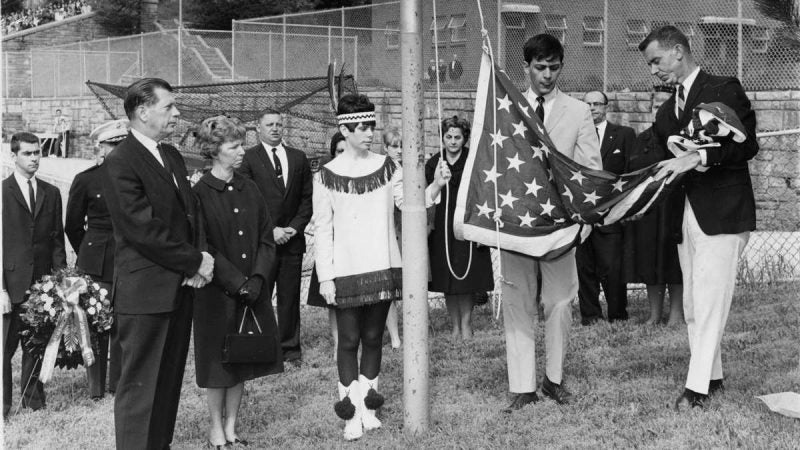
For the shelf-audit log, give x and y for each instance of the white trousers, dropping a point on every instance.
(709, 267)
(559, 287)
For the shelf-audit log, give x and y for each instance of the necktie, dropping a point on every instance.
(540, 108)
(167, 166)
(278, 167)
(597, 130)
(31, 197)
(681, 100)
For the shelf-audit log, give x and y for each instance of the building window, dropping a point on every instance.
(556, 25)
(593, 30)
(439, 25)
(636, 32)
(392, 35)
(458, 28)
(759, 37)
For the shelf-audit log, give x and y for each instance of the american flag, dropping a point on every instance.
(519, 193)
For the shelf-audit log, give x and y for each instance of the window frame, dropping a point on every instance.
(600, 32)
(458, 32)
(560, 30)
(391, 34)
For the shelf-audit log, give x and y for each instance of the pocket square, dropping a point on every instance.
(617, 151)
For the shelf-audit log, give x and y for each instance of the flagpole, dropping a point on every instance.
(415, 251)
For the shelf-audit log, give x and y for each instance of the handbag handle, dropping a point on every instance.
(244, 315)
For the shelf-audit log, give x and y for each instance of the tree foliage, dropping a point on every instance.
(119, 16)
(788, 13)
(11, 6)
(218, 14)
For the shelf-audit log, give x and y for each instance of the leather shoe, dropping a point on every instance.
(715, 387)
(556, 392)
(521, 400)
(690, 399)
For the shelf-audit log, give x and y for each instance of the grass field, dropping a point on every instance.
(625, 376)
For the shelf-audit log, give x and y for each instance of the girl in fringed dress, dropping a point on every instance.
(358, 259)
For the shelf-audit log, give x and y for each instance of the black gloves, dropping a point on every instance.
(250, 291)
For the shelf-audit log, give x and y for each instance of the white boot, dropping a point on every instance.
(368, 415)
(352, 426)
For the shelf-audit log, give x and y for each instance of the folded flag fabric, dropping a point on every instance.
(519, 193)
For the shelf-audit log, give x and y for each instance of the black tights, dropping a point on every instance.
(364, 325)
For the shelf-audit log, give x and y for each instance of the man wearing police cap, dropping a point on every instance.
(88, 227)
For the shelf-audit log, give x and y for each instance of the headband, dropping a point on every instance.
(367, 116)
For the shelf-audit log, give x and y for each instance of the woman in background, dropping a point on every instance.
(472, 265)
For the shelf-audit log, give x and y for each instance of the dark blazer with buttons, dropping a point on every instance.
(616, 148)
(722, 197)
(88, 224)
(32, 246)
(289, 206)
(155, 227)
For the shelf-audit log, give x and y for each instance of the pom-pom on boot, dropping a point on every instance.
(349, 409)
(371, 401)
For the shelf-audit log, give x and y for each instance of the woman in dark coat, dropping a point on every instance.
(239, 236)
(652, 241)
(460, 294)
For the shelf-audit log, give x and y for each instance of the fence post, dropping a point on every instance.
(5, 72)
(330, 49)
(141, 55)
(739, 39)
(284, 46)
(342, 34)
(83, 72)
(56, 76)
(108, 44)
(355, 58)
(605, 45)
(233, 50)
(269, 54)
(30, 62)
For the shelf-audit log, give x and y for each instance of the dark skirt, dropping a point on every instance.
(314, 297)
(651, 245)
(358, 290)
(479, 280)
(215, 316)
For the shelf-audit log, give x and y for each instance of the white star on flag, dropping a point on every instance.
(537, 152)
(484, 210)
(592, 198)
(523, 109)
(519, 129)
(498, 138)
(508, 199)
(618, 185)
(533, 187)
(547, 207)
(505, 103)
(568, 194)
(491, 175)
(577, 176)
(526, 220)
(515, 162)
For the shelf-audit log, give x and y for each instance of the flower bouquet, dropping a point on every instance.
(65, 314)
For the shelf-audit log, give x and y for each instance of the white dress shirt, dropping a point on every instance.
(152, 147)
(547, 105)
(687, 86)
(281, 152)
(601, 131)
(22, 182)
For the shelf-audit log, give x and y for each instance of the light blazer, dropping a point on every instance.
(289, 206)
(722, 197)
(155, 227)
(571, 128)
(32, 246)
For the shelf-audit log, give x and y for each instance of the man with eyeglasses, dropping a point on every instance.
(599, 257)
(33, 245)
(569, 124)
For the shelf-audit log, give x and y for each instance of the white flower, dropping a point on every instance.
(96, 286)
(52, 312)
(92, 301)
(47, 286)
(46, 299)
(91, 311)
(103, 293)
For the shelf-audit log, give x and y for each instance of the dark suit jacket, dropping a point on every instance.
(32, 246)
(155, 227)
(88, 224)
(616, 150)
(289, 206)
(722, 197)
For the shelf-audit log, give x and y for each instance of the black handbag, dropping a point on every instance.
(249, 347)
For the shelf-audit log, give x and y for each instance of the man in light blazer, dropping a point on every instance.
(599, 257)
(159, 257)
(283, 176)
(33, 245)
(568, 121)
(719, 208)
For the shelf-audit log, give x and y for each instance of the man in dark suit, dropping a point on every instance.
(455, 69)
(719, 209)
(89, 230)
(283, 176)
(33, 245)
(159, 241)
(599, 258)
